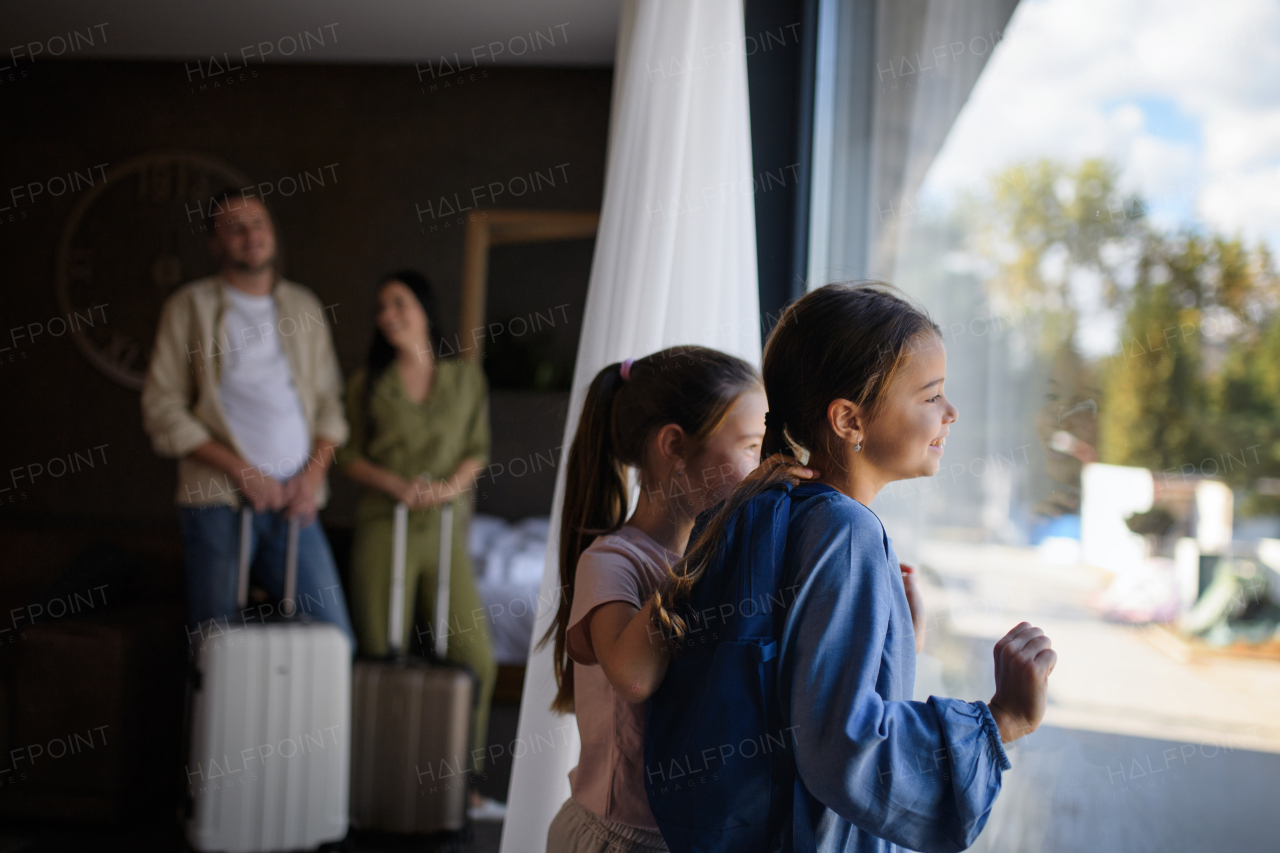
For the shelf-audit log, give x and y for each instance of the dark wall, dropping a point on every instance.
(388, 149)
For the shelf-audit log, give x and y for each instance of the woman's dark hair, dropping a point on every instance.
(381, 351)
(842, 341)
(692, 387)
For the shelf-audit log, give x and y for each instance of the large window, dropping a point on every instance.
(1093, 229)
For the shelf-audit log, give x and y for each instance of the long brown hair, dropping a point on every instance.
(842, 341)
(692, 387)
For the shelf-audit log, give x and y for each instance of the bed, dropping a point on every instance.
(508, 560)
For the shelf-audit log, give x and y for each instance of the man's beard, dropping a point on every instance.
(251, 269)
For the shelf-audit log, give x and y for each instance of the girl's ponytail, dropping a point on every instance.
(690, 386)
(595, 503)
(775, 440)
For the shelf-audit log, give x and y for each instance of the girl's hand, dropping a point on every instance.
(794, 470)
(1024, 658)
(916, 602)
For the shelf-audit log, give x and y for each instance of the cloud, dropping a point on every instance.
(1246, 202)
(1183, 95)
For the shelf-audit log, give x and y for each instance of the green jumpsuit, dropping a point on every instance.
(428, 439)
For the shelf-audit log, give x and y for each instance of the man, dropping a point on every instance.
(244, 390)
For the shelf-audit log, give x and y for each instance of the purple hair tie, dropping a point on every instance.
(625, 370)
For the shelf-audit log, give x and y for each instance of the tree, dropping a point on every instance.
(1195, 375)
(1153, 387)
(1045, 222)
(1245, 392)
(1042, 228)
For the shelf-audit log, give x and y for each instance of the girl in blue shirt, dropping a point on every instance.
(855, 376)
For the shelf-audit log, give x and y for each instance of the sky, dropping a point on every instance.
(1183, 94)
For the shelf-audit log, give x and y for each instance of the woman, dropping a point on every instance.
(419, 435)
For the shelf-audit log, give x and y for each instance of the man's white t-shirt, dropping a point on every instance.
(261, 404)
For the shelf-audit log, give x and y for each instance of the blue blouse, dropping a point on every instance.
(884, 772)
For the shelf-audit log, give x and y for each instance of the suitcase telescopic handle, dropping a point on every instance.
(246, 542)
(395, 616)
(395, 620)
(290, 561)
(442, 579)
(291, 566)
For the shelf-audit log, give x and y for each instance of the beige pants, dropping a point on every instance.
(576, 830)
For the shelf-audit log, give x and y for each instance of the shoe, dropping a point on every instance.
(488, 810)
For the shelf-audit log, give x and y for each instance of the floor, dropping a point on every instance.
(1142, 749)
(486, 838)
(160, 837)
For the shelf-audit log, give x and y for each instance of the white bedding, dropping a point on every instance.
(508, 561)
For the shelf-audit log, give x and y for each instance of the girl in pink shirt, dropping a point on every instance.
(690, 421)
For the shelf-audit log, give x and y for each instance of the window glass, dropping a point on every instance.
(1094, 233)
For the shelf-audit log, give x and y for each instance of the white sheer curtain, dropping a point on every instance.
(675, 263)
(886, 94)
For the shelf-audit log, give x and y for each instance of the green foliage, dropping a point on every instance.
(1153, 388)
(1156, 521)
(1044, 222)
(1196, 372)
(1197, 376)
(1245, 405)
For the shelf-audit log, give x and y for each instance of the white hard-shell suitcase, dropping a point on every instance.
(269, 757)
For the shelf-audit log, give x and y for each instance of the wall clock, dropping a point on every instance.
(130, 240)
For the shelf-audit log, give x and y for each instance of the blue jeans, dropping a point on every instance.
(211, 551)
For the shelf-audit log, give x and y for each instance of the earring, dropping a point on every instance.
(857, 447)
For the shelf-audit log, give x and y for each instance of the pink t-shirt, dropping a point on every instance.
(626, 565)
